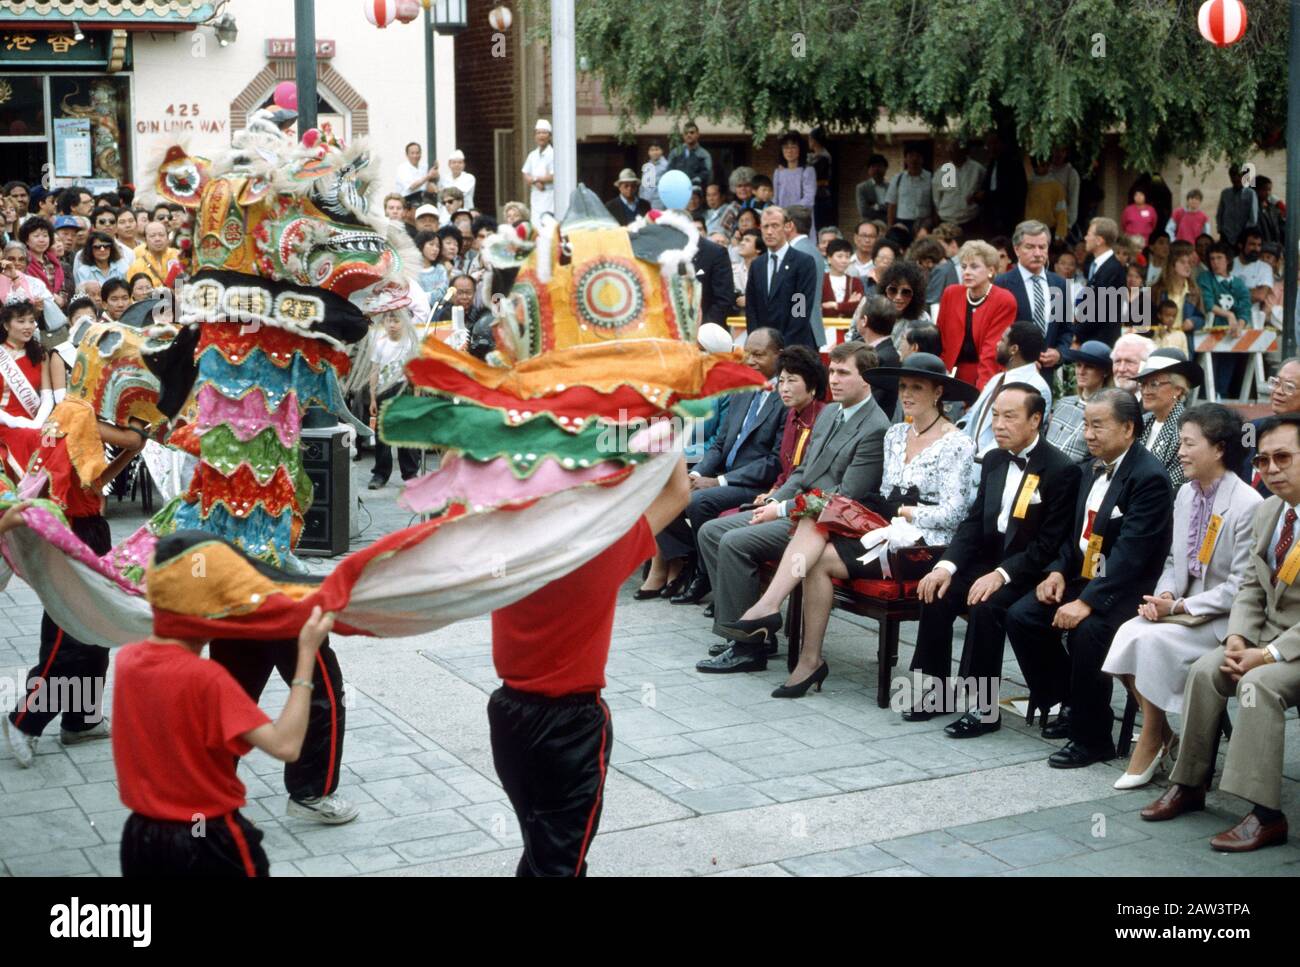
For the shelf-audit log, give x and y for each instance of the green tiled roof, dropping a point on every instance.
(120, 13)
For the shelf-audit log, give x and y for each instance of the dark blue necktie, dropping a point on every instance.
(750, 415)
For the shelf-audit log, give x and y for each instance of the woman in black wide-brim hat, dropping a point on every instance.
(928, 480)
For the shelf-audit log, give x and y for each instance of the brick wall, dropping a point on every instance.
(485, 101)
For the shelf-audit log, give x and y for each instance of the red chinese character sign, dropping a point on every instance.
(1222, 22)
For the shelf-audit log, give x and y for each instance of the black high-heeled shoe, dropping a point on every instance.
(755, 630)
(645, 594)
(679, 583)
(799, 689)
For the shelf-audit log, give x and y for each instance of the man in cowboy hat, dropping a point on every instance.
(626, 207)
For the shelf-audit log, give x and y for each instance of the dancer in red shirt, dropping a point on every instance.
(551, 731)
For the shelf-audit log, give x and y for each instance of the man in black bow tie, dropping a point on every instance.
(1111, 557)
(1014, 529)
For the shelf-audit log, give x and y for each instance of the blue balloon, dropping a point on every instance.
(675, 189)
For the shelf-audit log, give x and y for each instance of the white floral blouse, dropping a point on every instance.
(944, 474)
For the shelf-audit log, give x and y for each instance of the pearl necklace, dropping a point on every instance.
(976, 303)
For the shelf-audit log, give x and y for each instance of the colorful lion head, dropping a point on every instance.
(110, 374)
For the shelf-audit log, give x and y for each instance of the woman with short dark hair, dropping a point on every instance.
(1207, 563)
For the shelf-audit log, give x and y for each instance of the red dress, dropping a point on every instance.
(989, 321)
(17, 445)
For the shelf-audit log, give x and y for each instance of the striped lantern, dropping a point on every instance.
(407, 10)
(500, 18)
(1222, 22)
(380, 12)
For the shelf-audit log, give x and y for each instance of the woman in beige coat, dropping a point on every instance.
(1207, 562)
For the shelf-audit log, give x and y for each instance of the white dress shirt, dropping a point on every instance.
(1095, 497)
(407, 175)
(979, 425)
(542, 199)
(1010, 488)
(465, 182)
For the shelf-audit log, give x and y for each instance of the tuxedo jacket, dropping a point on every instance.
(1265, 613)
(1135, 521)
(758, 460)
(1030, 543)
(797, 276)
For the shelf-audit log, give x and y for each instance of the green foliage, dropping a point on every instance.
(1059, 72)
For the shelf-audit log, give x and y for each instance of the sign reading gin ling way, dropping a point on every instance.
(279, 48)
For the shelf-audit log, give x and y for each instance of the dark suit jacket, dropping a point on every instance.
(758, 461)
(941, 276)
(796, 277)
(616, 208)
(1029, 545)
(848, 459)
(1134, 544)
(886, 396)
(1099, 315)
(1006, 204)
(1060, 333)
(717, 284)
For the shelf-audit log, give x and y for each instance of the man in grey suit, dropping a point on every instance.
(798, 223)
(1259, 662)
(845, 455)
(743, 461)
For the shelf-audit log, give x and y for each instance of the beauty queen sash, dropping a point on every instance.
(17, 382)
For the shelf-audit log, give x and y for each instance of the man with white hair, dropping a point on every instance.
(460, 178)
(1128, 354)
(539, 172)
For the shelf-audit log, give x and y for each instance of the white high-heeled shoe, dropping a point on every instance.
(1134, 780)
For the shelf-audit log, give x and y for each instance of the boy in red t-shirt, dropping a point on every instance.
(180, 725)
(551, 731)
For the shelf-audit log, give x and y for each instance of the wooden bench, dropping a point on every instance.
(888, 603)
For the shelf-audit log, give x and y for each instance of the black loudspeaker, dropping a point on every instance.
(325, 458)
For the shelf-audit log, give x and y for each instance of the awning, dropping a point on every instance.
(119, 14)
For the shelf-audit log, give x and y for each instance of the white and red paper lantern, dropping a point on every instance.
(1222, 22)
(380, 12)
(407, 10)
(500, 18)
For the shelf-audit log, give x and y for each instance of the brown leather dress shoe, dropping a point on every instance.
(1175, 801)
(1250, 834)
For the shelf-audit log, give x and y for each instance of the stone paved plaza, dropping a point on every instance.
(710, 775)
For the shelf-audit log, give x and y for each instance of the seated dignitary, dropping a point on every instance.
(1018, 350)
(926, 481)
(1208, 561)
(1111, 557)
(1013, 531)
(741, 463)
(802, 385)
(844, 456)
(1165, 382)
(1259, 659)
(1092, 366)
(1283, 398)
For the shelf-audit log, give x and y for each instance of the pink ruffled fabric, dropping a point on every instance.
(251, 415)
(485, 485)
(52, 530)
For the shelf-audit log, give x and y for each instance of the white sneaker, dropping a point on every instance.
(331, 810)
(99, 731)
(22, 745)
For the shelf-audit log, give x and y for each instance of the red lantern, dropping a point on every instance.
(380, 12)
(1222, 22)
(407, 10)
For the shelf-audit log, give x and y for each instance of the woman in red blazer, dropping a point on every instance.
(974, 315)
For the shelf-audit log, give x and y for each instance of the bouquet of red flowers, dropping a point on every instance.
(810, 504)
